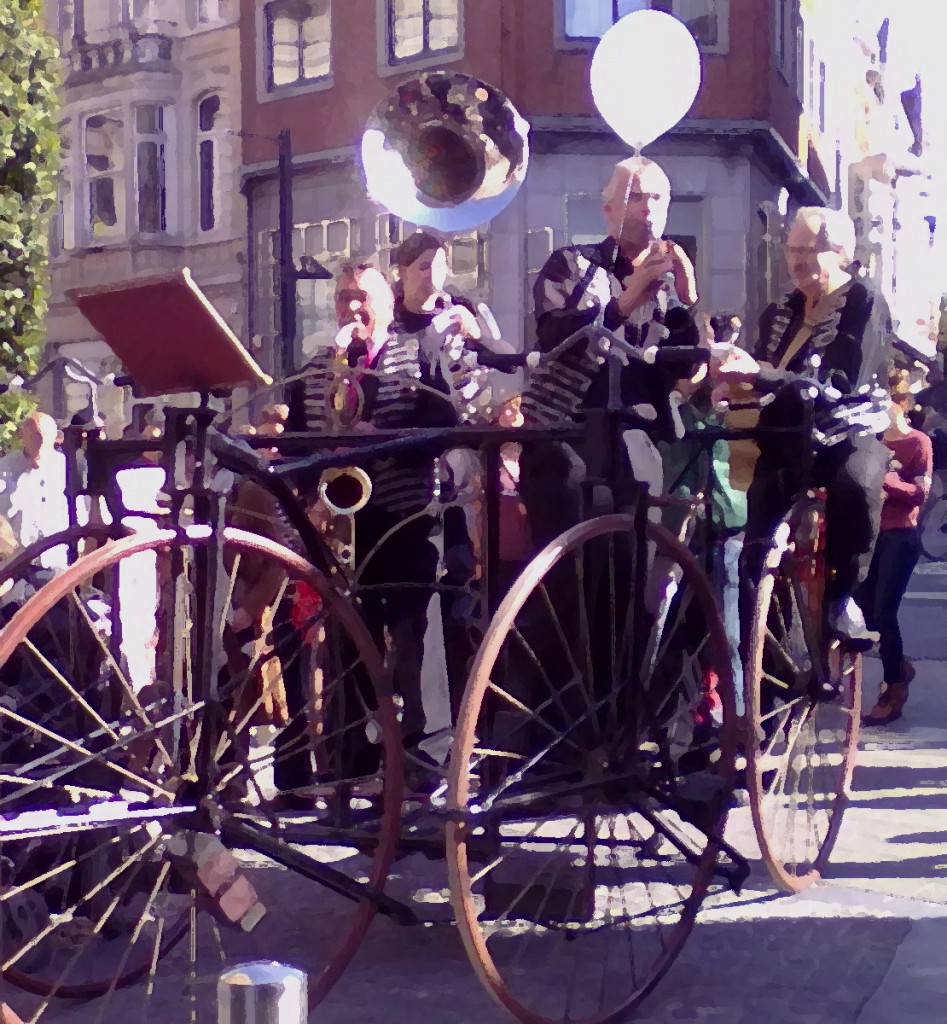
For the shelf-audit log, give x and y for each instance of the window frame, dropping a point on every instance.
(116, 175)
(203, 18)
(389, 64)
(208, 137)
(267, 89)
(162, 138)
(586, 43)
(265, 23)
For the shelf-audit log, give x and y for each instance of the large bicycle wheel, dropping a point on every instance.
(589, 783)
(145, 832)
(800, 747)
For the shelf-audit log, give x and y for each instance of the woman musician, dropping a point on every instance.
(462, 362)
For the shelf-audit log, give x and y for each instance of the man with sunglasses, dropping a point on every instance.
(831, 336)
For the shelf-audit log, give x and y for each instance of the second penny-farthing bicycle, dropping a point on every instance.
(801, 687)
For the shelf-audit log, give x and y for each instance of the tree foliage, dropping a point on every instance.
(29, 157)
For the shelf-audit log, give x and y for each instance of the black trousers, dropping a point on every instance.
(852, 472)
(405, 569)
(895, 558)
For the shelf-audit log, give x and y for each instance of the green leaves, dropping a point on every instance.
(29, 155)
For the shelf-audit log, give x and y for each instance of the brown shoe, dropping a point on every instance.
(891, 701)
(908, 672)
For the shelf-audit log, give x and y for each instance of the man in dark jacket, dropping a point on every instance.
(635, 283)
(830, 337)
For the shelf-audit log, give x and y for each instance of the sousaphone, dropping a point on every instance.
(445, 151)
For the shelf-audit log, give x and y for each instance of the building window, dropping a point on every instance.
(104, 147)
(329, 242)
(298, 38)
(704, 18)
(591, 19)
(822, 97)
(389, 233)
(150, 164)
(208, 11)
(208, 117)
(584, 218)
(468, 261)
(800, 66)
(422, 28)
(786, 38)
(65, 26)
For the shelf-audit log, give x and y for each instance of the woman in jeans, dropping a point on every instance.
(906, 486)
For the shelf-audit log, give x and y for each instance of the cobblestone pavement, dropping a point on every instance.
(865, 947)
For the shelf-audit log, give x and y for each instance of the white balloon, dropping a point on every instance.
(645, 75)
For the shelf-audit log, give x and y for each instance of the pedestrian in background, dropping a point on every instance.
(896, 554)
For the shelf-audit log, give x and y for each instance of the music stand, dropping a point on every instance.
(168, 335)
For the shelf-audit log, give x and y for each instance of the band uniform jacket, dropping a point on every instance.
(577, 286)
(846, 356)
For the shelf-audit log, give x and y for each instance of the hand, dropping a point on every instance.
(347, 335)
(737, 365)
(721, 393)
(643, 285)
(240, 620)
(458, 320)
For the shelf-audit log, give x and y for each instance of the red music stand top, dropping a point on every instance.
(168, 335)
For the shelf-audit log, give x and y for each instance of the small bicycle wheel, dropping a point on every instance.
(145, 835)
(800, 746)
(589, 781)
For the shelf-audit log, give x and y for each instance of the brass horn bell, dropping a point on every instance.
(345, 491)
(445, 151)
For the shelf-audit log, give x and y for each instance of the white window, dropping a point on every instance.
(144, 13)
(209, 11)
(61, 234)
(468, 261)
(590, 19)
(208, 157)
(298, 38)
(329, 242)
(789, 46)
(706, 19)
(822, 97)
(104, 159)
(389, 233)
(99, 16)
(65, 24)
(422, 28)
(150, 168)
(585, 222)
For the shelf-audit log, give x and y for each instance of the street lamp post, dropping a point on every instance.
(288, 274)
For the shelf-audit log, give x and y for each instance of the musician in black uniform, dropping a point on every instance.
(397, 515)
(635, 283)
(422, 306)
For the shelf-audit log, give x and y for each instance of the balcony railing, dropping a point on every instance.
(128, 52)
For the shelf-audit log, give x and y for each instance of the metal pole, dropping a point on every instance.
(262, 992)
(287, 269)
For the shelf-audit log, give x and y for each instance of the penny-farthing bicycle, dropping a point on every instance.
(143, 838)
